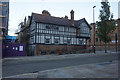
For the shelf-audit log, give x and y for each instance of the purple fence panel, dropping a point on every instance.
(14, 49)
(3, 50)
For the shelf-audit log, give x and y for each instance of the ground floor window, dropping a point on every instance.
(69, 41)
(56, 41)
(47, 40)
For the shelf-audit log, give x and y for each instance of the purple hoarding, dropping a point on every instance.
(13, 49)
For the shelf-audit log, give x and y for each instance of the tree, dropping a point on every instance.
(106, 24)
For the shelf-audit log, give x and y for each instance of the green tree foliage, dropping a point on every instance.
(106, 24)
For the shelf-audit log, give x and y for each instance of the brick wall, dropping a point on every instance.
(57, 49)
(110, 47)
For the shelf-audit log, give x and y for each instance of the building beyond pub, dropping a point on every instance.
(4, 18)
(99, 44)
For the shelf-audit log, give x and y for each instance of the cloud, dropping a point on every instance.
(12, 28)
(12, 33)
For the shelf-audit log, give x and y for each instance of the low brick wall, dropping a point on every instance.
(58, 49)
(110, 47)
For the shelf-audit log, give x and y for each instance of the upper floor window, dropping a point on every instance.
(83, 24)
(96, 32)
(78, 30)
(47, 27)
(53, 27)
(84, 30)
(96, 39)
(100, 41)
(65, 28)
(57, 28)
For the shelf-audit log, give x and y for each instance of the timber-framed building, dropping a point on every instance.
(49, 34)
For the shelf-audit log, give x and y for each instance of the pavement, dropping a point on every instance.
(96, 70)
(54, 56)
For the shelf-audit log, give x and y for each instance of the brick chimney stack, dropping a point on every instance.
(66, 17)
(25, 21)
(45, 12)
(72, 17)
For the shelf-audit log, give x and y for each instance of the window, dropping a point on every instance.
(47, 40)
(57, 28)
(83, 24)
(83, 30)
(96, 39)
(69, 41)
(65, 40)
(53, 27)
(100, 40)
(66, 28)
(56, 40)
(47, 27)
(96, 32)
(80, 41)
(89, 40)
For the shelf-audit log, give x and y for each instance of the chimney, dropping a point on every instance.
(45, 12)
(66, 17)
(28, 21)
(72, 17)
(25, 21)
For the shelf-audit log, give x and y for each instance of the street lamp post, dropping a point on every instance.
(94, 26)
(116, 24)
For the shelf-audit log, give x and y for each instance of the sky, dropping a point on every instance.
(18, 9)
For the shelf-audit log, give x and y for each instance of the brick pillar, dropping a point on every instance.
(36, 50)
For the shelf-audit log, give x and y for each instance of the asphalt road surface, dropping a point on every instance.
(22, 67)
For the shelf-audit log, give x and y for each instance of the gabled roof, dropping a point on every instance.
(51, 20)
(56, 20)
(83, 20)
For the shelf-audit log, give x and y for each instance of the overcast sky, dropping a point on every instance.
(59, 8)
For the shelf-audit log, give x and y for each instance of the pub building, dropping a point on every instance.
(49, 34)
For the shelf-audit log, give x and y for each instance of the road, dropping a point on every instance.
(22, 67)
